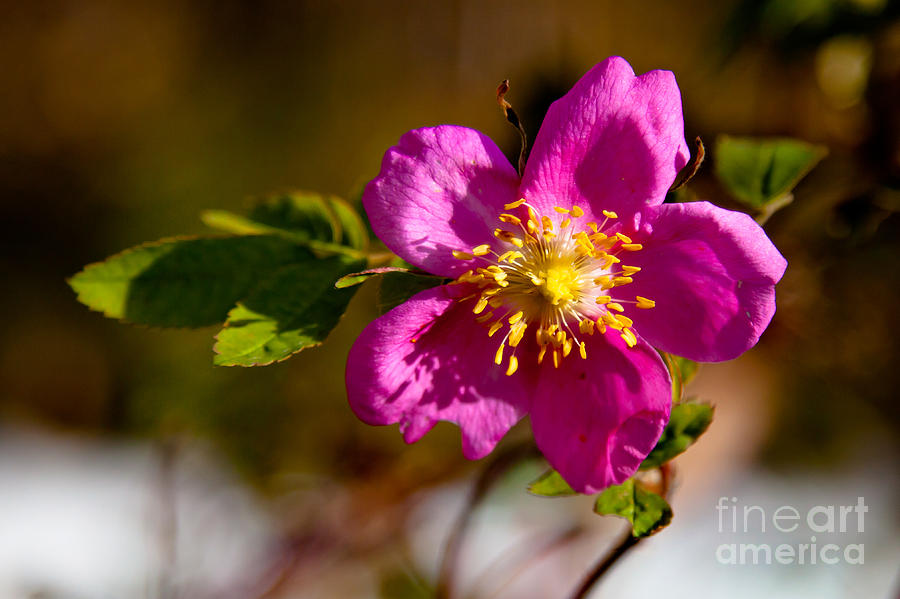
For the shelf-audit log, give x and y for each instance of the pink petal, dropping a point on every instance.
(614, 142)
(440, 189)
(596, 420)
(712, 273)
(428, 360)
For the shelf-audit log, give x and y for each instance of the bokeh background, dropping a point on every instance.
(131, 467)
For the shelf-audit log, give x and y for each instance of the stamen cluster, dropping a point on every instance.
(560, 280)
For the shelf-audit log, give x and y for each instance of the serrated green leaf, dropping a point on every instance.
(550, 484)
(323, 222)
(646, 511)
(294, 309)
(323, 217)
(189, 282)
(687, 422)
(397, 287)
(760, 171)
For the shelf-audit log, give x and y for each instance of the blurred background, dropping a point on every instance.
(131, 467)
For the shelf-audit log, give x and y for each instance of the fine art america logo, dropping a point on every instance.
(820, 524)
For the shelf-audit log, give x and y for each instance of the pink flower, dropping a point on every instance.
(565, 281)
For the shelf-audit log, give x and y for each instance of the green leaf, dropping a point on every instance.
(355, 278)
(323, 222)
(646, 511)
(687, 422)
(397, 287)
(760, 171)
(190, 282)
(550, 484)
(294, 309)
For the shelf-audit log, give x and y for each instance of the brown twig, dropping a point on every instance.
(492, 473)
(628, 542)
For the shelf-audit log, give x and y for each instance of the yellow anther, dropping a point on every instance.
(547, 223)
(481, 250)
(556, 358)
(603, 299)
(516, 332)
(559, 338)
(531, 226)
(567, 347)
(611, 322)
(630, 270)
(644, 303)
(495, 302)
(586, 326)
(485, 317)
(498, 357)
(494, 328)
(623, 238)
(517, 242)
(593, 226)
(582, 350)
(609, 260)
(513, 365)
(601, 326)
(577, 212)
(608, 214)
(624, 320)
(561, 210)
(511, 219)
(629, 337)
(565, 223)
(615, 306)
(602, 280)
(480, 306)
(462, 255)
(622, 280)
(541, 353)
(516, 317)
(515, 204)
(632, 247)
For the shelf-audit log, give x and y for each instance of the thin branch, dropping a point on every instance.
(492, 473)
(626, 544)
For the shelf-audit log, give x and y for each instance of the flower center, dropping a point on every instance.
(558, 280)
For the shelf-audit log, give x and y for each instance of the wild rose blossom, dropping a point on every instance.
(564, 281)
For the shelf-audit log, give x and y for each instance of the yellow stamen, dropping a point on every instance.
(494, 328)
(516, 317)
(615, 306)
(561, 210)
(511, 219)
(629, 337)
(462, 255)
(547, 223)
(582, 350)
(622, 280)
(603, 299)
(586, 326)
(513, 365)
(515, 204)
(577, 212)
(480, 306)
(606, 213)
(481, 250)
(498, 357)
(565, 223)
(644, 303)
(485, 317)
(630, 270)
(516, 332)
(623, 238)
(632, 247)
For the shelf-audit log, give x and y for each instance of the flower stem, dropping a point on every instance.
(605, 564)
(493, 472)
(627, 542)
